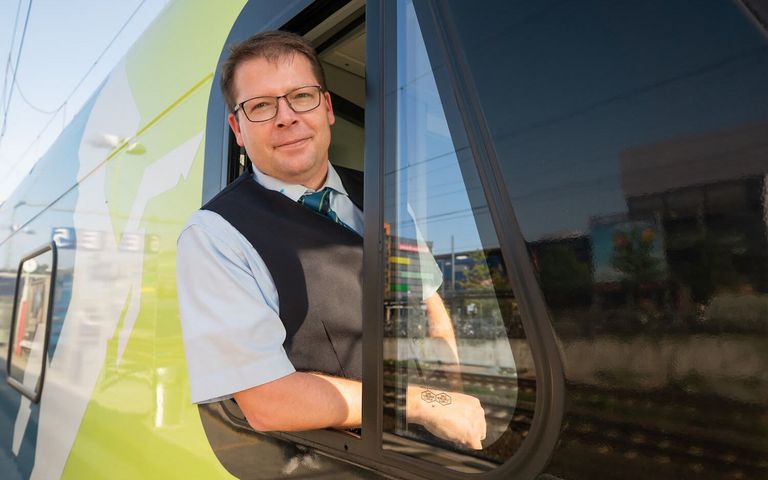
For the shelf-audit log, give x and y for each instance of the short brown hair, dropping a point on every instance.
(272, 46)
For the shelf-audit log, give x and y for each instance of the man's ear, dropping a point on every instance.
(329, 108)
(235, 126)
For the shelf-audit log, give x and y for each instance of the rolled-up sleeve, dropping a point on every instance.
(233, 335)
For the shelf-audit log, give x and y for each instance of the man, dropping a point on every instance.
(270, 271)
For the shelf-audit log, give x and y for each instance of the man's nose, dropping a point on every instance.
(285, 114)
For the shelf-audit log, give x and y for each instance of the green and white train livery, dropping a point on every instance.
(590, 177)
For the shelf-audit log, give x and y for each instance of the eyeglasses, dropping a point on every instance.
(261, 109)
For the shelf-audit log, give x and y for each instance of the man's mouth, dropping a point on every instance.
(293, 143)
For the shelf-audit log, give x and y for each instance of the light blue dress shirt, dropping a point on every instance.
(230, 310)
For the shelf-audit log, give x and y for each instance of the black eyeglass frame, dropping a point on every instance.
(239, 106)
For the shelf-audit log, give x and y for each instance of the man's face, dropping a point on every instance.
(292, 147)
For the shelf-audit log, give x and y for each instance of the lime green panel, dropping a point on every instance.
(140, 422)
(177, 51)
(173, 127)
(175, 58)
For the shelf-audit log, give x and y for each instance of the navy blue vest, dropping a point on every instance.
(317, 267)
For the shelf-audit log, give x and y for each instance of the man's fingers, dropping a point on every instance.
(479, 430)
(480, 423)
(476, 444)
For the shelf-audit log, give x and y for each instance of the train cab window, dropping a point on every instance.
(452, 330)
(31, 321)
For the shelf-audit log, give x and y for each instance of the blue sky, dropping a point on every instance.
(62, 42)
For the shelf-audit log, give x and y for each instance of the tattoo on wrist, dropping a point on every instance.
(429, 396)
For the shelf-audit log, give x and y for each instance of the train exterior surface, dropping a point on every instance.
(585, 184)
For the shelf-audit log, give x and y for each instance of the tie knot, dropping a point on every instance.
(319, 201)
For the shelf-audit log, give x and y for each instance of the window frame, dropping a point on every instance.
(35, 394)
(445, 48)
(442, 42)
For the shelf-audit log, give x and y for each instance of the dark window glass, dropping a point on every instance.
(633, 141)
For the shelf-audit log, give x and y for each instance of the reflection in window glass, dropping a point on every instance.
(7, 282)
(452, 329)
(31, 322)
(632, 138)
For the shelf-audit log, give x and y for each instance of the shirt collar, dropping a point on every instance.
(295, 191)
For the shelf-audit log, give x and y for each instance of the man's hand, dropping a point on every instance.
(452, 416)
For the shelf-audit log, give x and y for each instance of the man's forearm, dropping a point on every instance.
(310, 401)
(302, 401)
(440, 326)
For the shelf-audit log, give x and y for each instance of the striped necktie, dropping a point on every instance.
(320, 202)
